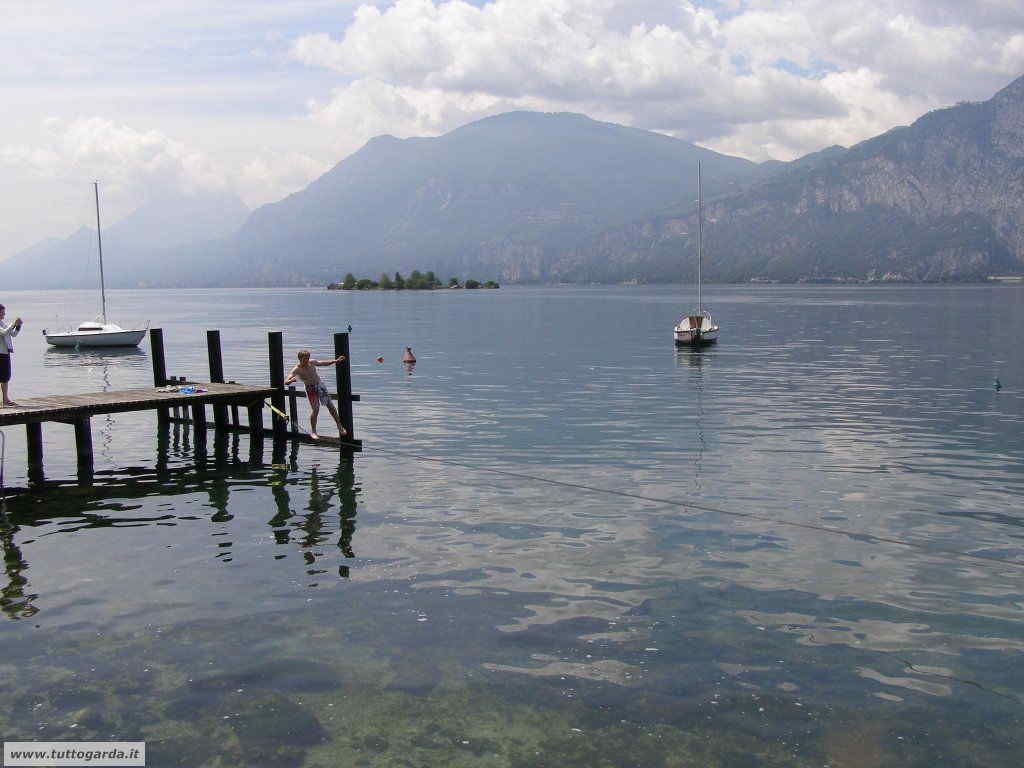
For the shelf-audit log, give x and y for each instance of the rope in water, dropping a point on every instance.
(866, 537)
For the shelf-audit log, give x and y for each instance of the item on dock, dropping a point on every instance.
(189, 389)
(92, 333)
(409, 357)
(697, 328)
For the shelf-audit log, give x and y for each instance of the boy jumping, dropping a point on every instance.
(315, 389)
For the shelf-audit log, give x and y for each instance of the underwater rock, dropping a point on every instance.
(292, 675)
(416, 678)
(274, 731)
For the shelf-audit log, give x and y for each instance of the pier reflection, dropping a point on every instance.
(312, 504)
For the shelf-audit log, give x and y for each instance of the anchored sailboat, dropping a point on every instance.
(91, 333)
(697, 328)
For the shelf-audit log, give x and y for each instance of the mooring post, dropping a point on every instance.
(293, 409)
(83, 443)
(343, 372)
(199, 425)
(220, 412)
(275, 344)
(34, 440)
(156, 349)
(234, 412)
(256, 420)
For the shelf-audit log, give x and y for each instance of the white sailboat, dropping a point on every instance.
(697, 328)
(91, 333)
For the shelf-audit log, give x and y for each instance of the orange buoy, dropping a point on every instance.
(408, 357)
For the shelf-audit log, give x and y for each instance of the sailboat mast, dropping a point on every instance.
(700, 238)
(99, 242)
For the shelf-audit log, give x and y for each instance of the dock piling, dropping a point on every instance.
(34, 444)
(256, 420)
(275, 345)
(199, 425)
(293, 409)
(213, 354)
(156, 349)
(83, 441)
(343, 374)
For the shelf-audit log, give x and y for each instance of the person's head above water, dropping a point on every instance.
(303, 355)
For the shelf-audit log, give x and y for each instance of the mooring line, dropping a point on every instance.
(867, 537)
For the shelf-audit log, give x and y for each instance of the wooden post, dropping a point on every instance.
(199, 425)
(275, 344)
(220, 412)
(256, 420)
(156, 350)
(343, 373)
(234, 411)
(83, 442)
(34, 438)
(293, 409)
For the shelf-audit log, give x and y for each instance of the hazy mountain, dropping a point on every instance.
(529, 196)
(161, 243)
(502, 197)
(942, 199)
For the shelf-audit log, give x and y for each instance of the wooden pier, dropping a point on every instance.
(189, 407)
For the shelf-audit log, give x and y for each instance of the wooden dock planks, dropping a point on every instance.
(70, 408)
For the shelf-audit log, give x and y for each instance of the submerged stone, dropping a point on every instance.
(293, 675)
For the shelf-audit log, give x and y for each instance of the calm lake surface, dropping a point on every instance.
(566, 543)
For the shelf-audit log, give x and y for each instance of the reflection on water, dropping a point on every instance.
(591, 551)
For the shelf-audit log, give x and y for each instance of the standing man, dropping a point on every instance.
(7, 332)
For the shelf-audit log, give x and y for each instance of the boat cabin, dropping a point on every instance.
(691, 322)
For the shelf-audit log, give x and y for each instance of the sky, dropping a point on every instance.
(259, 97)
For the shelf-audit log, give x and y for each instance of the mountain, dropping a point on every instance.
(499, 198)
(941, 199)
(163, 242)
(528, 196)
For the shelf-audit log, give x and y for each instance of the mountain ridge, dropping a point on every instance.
(534, 197)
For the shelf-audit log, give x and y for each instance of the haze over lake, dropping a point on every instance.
(565, 543)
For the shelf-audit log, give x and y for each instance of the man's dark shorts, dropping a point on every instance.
(5, 368)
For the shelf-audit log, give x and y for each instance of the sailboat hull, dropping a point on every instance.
(129, 338)
(694, 338)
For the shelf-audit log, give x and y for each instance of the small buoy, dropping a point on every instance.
(998, 384)
(408, 357)
(380, 359)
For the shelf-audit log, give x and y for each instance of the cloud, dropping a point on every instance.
(788, 77)
(274, 175)
(135, 165)
(127, 160)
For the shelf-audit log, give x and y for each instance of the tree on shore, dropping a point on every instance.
(349, 282)
(399, 282)
(385, 282)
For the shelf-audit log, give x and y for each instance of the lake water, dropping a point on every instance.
(566, 543)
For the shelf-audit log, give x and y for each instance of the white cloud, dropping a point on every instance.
(767, 76)
(272, 176)
(127, 160)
